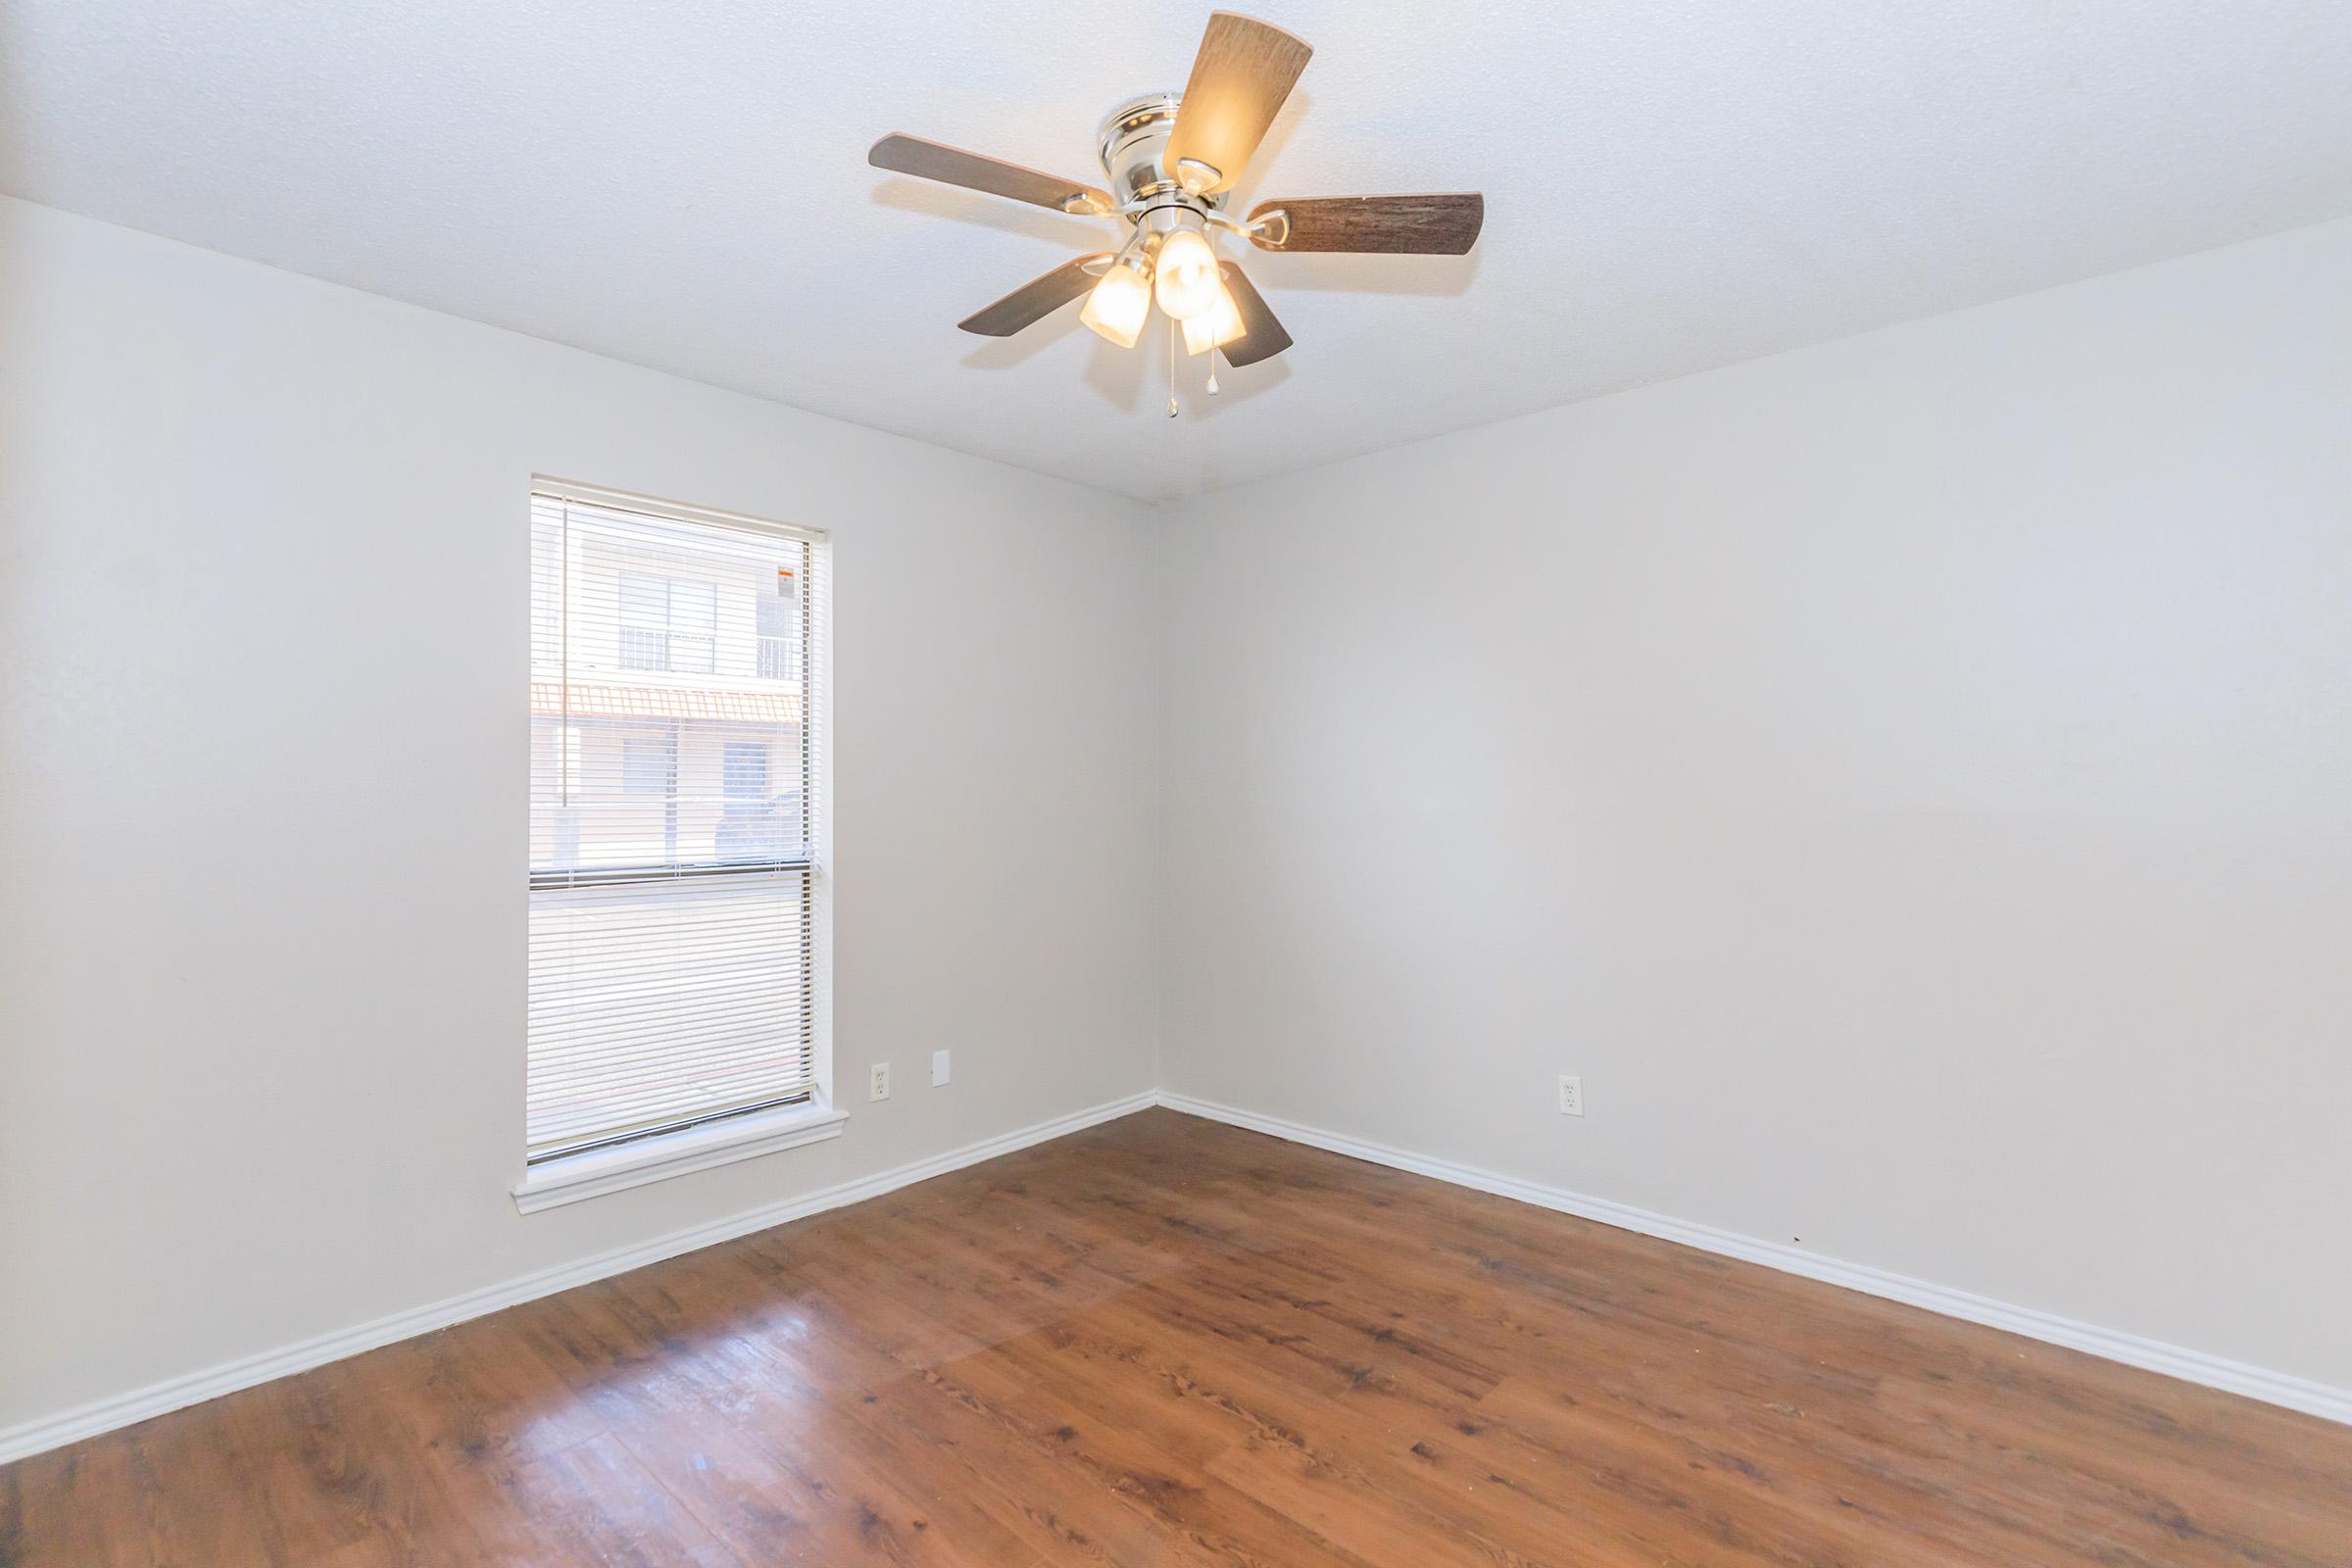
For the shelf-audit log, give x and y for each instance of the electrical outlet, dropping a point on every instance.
(939, 1068)
(877, 1081)
(1572, 1096)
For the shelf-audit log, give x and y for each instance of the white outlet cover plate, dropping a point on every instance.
(939, 1068)
(1572, 1096)
(877, 1081)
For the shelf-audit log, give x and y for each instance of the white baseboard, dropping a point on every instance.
(104, 1415)
(2235, 1377)
(2193, 1366)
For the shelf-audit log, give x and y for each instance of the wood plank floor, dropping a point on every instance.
(1166, 1342)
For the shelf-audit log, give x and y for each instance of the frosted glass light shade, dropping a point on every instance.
(1187, 281)
(1120, 301)
(1214, 327)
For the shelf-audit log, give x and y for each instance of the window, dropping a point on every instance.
(672, 888)
(666, 623)
(780, 628)
(649, 763)
(744, 771)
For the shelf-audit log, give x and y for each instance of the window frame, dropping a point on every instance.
(592, 1170)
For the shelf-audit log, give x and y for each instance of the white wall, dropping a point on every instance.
(1910, 780)
(1905, 778)
(263, 739)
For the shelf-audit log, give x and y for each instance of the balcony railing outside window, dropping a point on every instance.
(780, 659)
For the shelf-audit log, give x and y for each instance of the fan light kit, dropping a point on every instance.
(1172, 159)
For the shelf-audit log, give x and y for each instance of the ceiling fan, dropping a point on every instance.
(1172, 160)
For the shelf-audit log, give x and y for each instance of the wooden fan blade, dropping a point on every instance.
(1263, 336)
(1245, 70)
(1037, 299)
(953, 166)
(1445, 224)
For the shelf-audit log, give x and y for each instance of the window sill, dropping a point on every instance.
(609, 1170)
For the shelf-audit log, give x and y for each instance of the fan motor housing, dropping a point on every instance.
(1133, 141)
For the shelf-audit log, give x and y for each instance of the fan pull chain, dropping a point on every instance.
(1171, 366)
(1212, 371)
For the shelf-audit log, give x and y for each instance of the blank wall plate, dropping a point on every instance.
(939, 1068)
(877, 1081)
(1572, 1096)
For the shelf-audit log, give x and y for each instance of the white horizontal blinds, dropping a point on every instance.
(670, 969)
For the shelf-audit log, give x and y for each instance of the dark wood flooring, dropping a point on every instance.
(1166, 1341)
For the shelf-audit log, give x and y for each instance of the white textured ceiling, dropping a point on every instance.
(1671, 184)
